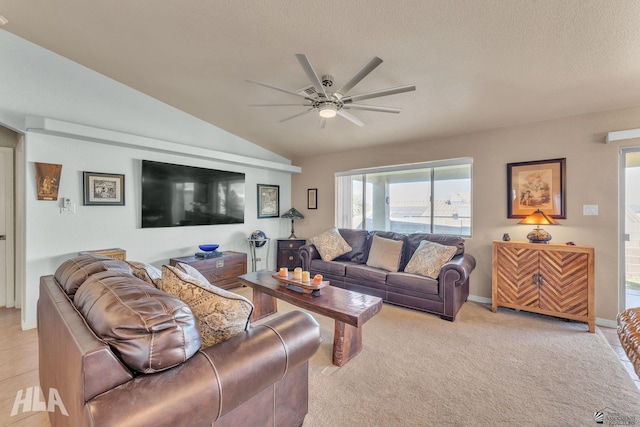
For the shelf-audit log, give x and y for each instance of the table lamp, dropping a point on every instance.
(538, 218)
(293, 214)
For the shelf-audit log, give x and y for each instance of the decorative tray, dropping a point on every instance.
(304, 287)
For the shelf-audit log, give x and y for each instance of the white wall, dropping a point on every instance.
(37, 83)
(52, 237)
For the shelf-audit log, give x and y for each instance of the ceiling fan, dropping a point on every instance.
(320, 97)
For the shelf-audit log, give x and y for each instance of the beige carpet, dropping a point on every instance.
(499, 369)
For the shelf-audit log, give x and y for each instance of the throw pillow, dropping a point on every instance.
(428, 258)
(330, 244)
(385, 253)
(146, 272)
(220, 314)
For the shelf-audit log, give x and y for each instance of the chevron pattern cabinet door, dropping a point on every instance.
(556, 280)
(516, 269)
(564, 282)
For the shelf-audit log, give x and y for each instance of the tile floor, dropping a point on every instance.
(612, 337)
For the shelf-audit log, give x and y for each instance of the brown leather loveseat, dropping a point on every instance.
(157, 374)
(443, 294)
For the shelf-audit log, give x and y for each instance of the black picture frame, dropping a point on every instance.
(539, 184)
(312, 198)
(103, 189)
(268, 201)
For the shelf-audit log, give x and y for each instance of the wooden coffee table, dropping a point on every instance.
(349, 309)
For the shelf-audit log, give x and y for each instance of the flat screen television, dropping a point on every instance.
(178, 195)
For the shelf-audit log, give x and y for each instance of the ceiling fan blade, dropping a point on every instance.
(359, 75)
(279, 89)
(351, 118)
(378, 93)
(279, 105)
(372, 108)
(296, 115)
(311, 74)
(322, 123)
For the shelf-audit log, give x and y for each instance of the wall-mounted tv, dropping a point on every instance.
(177, 195)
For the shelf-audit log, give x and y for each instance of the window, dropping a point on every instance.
(433, 197)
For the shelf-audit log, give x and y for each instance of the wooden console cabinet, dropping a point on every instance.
(221, 271)
(288, 255)
(553, 279)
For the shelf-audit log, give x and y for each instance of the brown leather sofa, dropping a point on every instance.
(443, 296)
(258, 377)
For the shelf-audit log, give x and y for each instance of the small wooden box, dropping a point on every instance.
(221, 271)
(115, 253)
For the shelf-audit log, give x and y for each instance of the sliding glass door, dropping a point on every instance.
(630, 224)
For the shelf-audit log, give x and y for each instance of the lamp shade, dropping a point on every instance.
(293, 214)
(538, 218)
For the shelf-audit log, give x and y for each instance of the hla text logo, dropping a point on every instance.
(32, 401)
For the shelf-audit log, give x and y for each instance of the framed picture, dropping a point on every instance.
(268, 201)
(312, 198)
(48, 180)
(103, 189)
(535, 185)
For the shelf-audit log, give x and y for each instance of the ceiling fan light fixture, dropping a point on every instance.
(327, 110)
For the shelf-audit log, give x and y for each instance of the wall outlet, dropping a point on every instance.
(589, 209)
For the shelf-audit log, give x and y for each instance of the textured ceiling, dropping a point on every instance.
(477, 64)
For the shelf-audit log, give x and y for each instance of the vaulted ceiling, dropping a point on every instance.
(476, 65)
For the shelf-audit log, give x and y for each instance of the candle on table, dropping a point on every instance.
(305, 276)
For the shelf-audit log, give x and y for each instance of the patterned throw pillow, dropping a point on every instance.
(330, 244)
(220, 314)
(385, 253)
(146, 272)
(428, 258)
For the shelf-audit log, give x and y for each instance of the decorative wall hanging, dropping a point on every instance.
(48, 180)
(312, 198)
(535, 185)
(268, 201)
(103, 189)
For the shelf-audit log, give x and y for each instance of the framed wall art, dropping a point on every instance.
(268, 201)
(312, 198)
(540, 184)
(48, 180)
(103, 189)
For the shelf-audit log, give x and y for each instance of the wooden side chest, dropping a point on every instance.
(288, 255)
(557, 280)
(221, 271)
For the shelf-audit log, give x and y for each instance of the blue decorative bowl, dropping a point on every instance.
(209, 247)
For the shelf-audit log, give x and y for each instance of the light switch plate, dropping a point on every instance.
(589, 209)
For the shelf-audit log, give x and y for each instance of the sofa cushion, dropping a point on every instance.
(146, 272)
(330, 244)
(366, 274)
(411, 282)
(429, 258)
(75, 271)
(334, 268)
(148, 329)
(385, 253)
(220, 314)
(359, 242)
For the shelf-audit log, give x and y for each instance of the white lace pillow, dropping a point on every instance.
(428, 258)
(331, 244)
